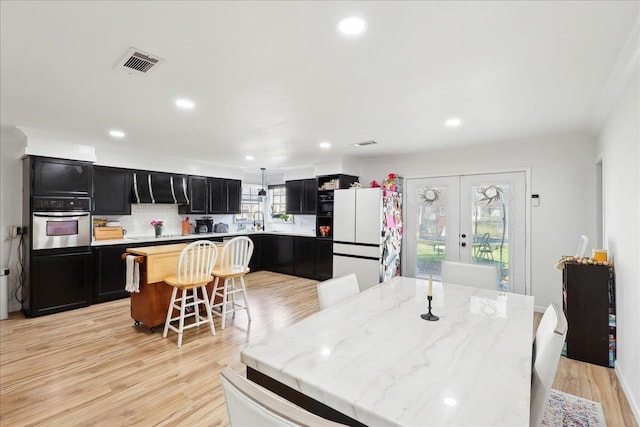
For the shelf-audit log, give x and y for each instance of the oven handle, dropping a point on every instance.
(60, 215)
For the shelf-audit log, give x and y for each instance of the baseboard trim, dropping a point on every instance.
(627, 392)
(539, 309)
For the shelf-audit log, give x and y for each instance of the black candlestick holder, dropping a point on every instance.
(430, 316)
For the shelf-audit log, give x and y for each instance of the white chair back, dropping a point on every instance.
(336, 289)
(547, 347)
(196, 262)
(250, 405)
(477, 275)
(236, 254)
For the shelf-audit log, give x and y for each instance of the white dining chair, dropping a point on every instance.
(250, 405)
(547, 347)
(333, 290)
(477, 275)
(233, 265)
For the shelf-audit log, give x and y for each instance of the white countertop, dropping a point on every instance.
(374, 359)
(202, 236)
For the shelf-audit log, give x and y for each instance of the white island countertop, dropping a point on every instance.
(372, 358)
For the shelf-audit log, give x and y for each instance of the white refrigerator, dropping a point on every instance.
(367, 231)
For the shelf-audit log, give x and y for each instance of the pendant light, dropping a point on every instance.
(262, 192)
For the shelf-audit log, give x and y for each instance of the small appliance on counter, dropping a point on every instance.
(221, 227)
(204, 225)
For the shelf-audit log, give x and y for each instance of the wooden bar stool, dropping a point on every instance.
(195, 264)
(234, 264)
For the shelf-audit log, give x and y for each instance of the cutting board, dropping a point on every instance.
(107, 233)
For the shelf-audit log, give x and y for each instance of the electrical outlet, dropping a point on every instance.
(12, 231)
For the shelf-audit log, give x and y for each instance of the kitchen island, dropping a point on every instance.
(149, 306)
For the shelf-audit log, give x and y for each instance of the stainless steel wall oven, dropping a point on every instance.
(61, 222)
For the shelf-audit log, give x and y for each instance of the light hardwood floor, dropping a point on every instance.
(92, 366)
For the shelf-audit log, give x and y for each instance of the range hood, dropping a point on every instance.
(156, 187)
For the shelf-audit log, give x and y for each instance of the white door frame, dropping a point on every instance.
(528, 192)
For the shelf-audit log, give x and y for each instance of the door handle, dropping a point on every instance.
(463, 244)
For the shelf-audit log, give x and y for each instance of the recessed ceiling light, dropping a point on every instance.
(185, 104)
(116, 133)
(325, 145)
(248, 157)
(450, 402)
(453, 122)
(352, 26)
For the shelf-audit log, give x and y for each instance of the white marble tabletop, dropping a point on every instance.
(374, 359)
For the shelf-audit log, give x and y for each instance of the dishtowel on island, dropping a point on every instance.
(133, 275)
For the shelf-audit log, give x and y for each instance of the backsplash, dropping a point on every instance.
(138, 224)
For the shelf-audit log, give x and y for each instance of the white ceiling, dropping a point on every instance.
(274, 79)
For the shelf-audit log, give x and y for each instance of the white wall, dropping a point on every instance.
(619, 144)
(12, 145)
(562, 173)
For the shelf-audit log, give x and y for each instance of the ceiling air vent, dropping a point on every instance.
(365, 143)
(136, 61)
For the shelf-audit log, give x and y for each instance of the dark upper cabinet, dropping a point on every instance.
(111, 191)
(295, 192)
(224, 195)
(310, 196)
(301, 196)
(304, 249)
(234, 195)
(217, 196)
(198, 191)
(159, 187)
(58, 177)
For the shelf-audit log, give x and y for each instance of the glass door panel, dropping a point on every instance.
(432, 205)
(472, 218)
(492, 207)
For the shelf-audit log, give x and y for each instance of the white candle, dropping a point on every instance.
(430, 289)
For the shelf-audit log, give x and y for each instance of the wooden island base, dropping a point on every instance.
(149, 306)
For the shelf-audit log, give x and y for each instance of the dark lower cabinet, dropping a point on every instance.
(255, 264)
(304, 257)
(589, 296)
(324, 259)
(109, 273)
(59, 282)
(282, 251)
(307, 257)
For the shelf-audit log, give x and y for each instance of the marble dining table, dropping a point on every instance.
(372, 360)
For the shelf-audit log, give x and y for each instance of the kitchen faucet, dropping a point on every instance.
(263, 223)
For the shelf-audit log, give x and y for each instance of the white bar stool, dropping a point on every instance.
(195, 264)
(234, 264)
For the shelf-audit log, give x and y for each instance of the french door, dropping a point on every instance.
(469, 218)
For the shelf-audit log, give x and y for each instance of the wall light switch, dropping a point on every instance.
(535, 200)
